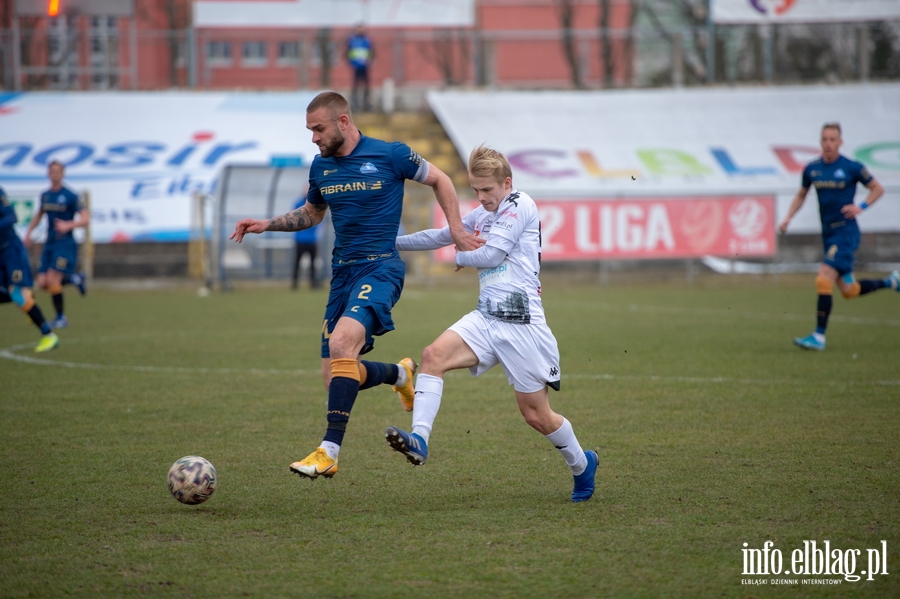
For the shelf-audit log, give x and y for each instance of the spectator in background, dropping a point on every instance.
(306, 242)
(359, 54)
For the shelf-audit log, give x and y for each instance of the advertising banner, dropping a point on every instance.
(802, 11)
(650, 228)
(141, 156)
(334, 13)
(621, 144)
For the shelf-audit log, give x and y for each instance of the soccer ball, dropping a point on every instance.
(192, 480)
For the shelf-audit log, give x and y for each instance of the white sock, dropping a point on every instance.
(565, 441)
(819, 337)
(401, 376)
(428, 401)
(331, 448)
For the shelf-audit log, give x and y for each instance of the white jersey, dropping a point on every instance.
(510, 291)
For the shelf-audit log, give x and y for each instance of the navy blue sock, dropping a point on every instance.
(37, 317)
(378, 373)
(823, 309)
(4, 296)
(342, 394)
(870, 285)
(58, 304)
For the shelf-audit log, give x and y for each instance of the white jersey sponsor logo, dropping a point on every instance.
(496, 275)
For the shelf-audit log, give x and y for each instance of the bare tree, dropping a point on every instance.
(629, 54)
(565, 9)
(174, 17)
(606, 58)
(324, 45)
(178, 17)
(448, 51)
(693, 12)
(886, 50)
(6, 19)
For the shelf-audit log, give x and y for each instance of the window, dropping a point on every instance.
(103, 22)
(288, 53)
(254, 54)
(218, 53)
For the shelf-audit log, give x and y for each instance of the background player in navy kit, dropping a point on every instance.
(65, 212)
(15, 274)
(507, 328)
(835, 178)
(305, 242)
(361, 180)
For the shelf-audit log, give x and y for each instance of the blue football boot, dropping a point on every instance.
(810, 342)
(409, 444)
(584, 482)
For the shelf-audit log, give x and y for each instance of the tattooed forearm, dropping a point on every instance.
(295, 220)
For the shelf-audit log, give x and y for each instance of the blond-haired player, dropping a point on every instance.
(508, 326)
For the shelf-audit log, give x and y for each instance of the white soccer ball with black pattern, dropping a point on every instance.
(192, 480)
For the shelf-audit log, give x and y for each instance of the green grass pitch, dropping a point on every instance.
(712, 430)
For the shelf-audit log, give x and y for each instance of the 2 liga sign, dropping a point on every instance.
(651, 228)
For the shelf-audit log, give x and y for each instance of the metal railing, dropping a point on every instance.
(642, 56)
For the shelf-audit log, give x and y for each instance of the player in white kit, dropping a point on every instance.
(508, 326)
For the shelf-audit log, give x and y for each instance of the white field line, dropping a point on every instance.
(9, 353)
(890, 322)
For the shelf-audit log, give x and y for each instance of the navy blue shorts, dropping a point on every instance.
(14, 267)
(61, 256)
(366, 292)
(840, 244)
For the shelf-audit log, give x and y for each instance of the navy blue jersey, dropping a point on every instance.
(63, 204)
(835, 185)
(8, 220)
(364, 192)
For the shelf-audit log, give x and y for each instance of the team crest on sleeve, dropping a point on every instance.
(864, 173)
(414, 157)
(368, 169)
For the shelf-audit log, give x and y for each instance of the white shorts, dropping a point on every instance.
(528, 353)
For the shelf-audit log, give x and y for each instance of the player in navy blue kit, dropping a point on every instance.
(835, 178)
(15, 274)
(361, 180)
(65, 212)
(306, 241)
